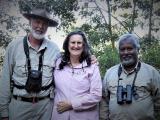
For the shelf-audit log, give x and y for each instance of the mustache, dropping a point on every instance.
(127, 56)
(38, 31)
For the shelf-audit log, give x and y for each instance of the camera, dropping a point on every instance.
(124, 95)
(34, 81)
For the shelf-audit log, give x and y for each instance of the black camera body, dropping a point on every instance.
(124, 95)
(34, 81)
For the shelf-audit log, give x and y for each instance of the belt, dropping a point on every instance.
(32, 99)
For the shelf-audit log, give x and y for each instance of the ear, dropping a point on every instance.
(138, 51)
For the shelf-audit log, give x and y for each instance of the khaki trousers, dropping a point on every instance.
(20, 110)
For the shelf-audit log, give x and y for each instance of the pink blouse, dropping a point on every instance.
(82, 86)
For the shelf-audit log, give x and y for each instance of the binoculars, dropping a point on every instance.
(124, 95)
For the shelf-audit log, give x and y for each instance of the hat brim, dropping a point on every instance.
(52, 23)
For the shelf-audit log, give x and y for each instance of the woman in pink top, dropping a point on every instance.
(78, 87)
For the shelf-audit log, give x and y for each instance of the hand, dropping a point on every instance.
(93, 59)
(63, 106)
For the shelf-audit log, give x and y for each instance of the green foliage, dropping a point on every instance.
(9, 24)
(5, 38)
(96, 35)
(125, 4)
(150, 52)
(151, 56)
(146, 6)
(107, 57)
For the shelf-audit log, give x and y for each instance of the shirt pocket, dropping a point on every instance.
(142, 92)
(20, 68)
(48, 69)
(82, 81)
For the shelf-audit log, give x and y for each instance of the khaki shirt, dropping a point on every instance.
(15, 68)
(147, 86)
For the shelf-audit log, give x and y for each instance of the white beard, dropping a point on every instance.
(37, 35)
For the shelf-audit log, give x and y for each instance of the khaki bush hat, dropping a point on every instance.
(42, 14)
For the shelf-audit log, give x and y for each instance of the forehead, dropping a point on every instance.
(39, 19)
(76, 37)
(128, 42)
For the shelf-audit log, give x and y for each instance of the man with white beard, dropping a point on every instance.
(131, 88)
(26, 82)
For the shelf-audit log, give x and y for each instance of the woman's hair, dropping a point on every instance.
(85, 55)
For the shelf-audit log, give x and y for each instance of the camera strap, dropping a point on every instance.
(136, 72)
(26, 50)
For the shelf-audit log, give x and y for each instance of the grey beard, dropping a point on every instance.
(38, 36)
(128, 62)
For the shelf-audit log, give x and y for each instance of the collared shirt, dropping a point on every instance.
(15, 68)
(82, 87)
(131, 70)
(147, 86)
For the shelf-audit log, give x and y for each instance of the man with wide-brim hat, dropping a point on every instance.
(42, 14)
(28, 66)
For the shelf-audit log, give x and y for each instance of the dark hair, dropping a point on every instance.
(86, 53)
